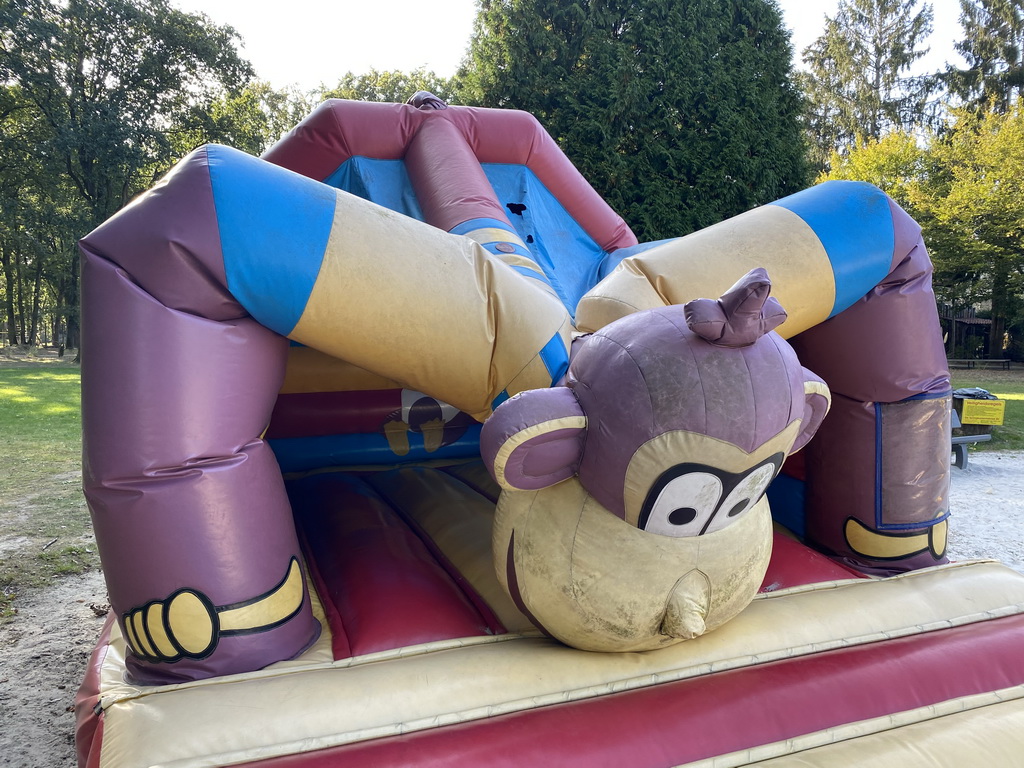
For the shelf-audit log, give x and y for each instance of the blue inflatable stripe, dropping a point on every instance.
(274, 227)
(300, 454)
(854, 223)
(879, 443)
(929, 396)
(555, 357)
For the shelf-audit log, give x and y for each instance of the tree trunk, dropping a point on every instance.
(71, 303)
(1000, 304)
(11, 289)
(58, 319)
(33, 334)
(19, 278)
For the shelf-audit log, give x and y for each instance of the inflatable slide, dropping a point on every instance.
(400, 450)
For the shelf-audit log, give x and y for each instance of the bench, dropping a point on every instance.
(961, 442)
(979, 362)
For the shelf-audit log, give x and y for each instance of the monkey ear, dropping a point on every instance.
(744, 314)
(817, 400)
(534, 439)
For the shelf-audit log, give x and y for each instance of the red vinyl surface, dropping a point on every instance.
(314, 414)
(380, 585)
(391, 565)
(689, 720)
(793, 564)
(447, 178)
(796, 466)
(89, 724)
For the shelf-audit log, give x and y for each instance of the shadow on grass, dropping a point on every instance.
(38, 401)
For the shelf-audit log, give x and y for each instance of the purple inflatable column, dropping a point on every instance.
(878, 469)
(194, 529)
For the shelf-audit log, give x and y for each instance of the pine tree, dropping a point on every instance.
(680, 112)
(858, 84)
(993, 47)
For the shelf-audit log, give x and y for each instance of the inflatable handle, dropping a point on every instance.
(188, 625)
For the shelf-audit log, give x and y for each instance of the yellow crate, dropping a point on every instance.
(983, 412)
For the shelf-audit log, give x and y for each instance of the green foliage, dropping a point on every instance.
(108, 78)
(679, 112)
(250, 119)
(93, 97)
(896, 163)
(993, 47)
(39, 221)
(857, 83)
(965, 186)
(390, 86)
(976, 206)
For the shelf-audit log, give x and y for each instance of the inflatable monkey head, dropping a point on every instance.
(632, 513)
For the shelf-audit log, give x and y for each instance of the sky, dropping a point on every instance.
(309, 42)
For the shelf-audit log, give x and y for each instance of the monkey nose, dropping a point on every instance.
(687, 607)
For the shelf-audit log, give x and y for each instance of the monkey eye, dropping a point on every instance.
(741, 498)
(691, 499)
(685, 505)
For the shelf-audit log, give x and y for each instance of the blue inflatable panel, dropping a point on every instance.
(474, 224)
(567, 254)
(262, 208)
(786, 496)
(300, 454)
(384, 182)
(556, 358)
(854, 223)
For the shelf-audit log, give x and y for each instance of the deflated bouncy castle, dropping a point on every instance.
(401, 450)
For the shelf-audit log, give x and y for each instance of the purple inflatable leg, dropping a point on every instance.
(198, 545)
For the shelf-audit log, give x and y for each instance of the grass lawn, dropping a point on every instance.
(44, 525)
(1008, 386)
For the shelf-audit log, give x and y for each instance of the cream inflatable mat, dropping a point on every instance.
(330, 703)
(954, 734)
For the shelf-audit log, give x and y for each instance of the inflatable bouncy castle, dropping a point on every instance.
(401, 450)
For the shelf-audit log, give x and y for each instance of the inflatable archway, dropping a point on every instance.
(363, 297)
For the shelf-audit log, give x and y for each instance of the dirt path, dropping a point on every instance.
(46, 647)
(45, 650)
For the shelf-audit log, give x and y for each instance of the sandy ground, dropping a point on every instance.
(46, 647)
(987, 509)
